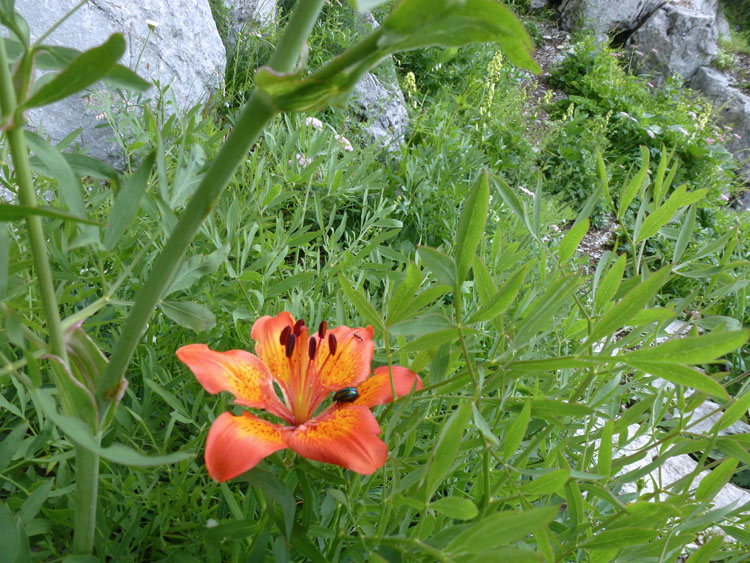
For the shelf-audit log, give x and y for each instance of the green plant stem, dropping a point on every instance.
(257, 113)
(297, 31)
(86, 493)
(27, 197)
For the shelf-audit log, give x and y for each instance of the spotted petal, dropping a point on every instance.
(377, 389)
(236, 444)
(346, 436)
(350, 365)
(236, 371)
(267, 333)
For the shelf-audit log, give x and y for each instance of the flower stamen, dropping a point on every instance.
(322, 329)
(285, 335)
(332, 344)
(311, 349)
(298, 327)
(290, 341)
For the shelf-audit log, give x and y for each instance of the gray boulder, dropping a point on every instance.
(247, 16)
(734, 111)
(172, 42)
(605, 16)
(383, 108)
(381, 105)
(675, 40)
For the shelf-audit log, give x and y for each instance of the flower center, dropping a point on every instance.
(305, 389)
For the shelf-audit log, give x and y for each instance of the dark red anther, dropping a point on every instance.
(332, 344)
(322, 329)
(285, 334)
(290, 345)
(298, 327)
(311, 349)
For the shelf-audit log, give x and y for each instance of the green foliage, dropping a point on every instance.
(540, 366)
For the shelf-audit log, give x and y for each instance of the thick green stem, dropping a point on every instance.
(87, 489)
(27, 197)
(255, 116)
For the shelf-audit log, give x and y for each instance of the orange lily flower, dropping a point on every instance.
(305, 369)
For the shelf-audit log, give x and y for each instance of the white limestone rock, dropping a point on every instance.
(172, 42)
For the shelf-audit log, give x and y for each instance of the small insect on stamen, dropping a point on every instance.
(311, 349)
(290, 345)
(322, 329)
(285, 334)
(332, 344)
(346, 395)
(298, 327)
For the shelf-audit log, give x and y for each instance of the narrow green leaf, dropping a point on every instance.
(500, 529)
(517, 430)
(441, 265)
(546, 484)
(554, 364)
(720, 476)
(501, 300)
(686, 232)
(610, 283)
(361, 303)
(419, 326)
(11, 443)
(572, 239)
(471, 225)
(71, 191)
(127, 202)
(190, 315)
(455, 507)
(734, 412)
(413, 24)
(81, 165)
(446, 448)
(605, 449)
(4, 256)
(52, 57)
(659, 178)
(557, 407)
(15, 542)
(483, 427)
(601, 169)
(663, 214)
(511, 200)
(681, 375)
(621, 537)
(403, 293)
(14, 212)
(77, 431)
(34, 502)
(87, 68)
(691, 349)
(274, 489)
(636, 299)
(634, 186)
(432, 340)
(707, 550)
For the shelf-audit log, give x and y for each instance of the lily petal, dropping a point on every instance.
(236, 444)
(267, 331)
(236, 371)
(377, 389)
(346, 436)
(350, 365)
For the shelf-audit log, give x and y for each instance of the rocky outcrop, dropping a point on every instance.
(172, 42)
(605, 16)
(247, 16)
(734, 111)
(383, 108)
(676, 40)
